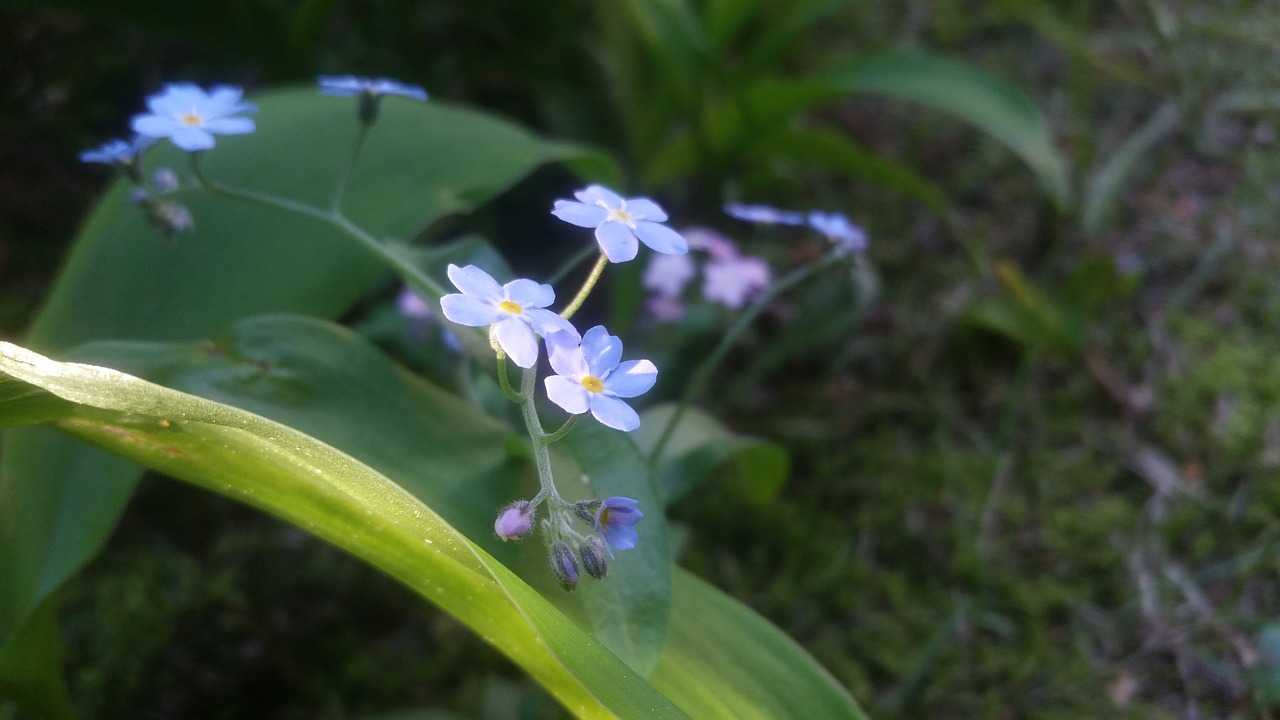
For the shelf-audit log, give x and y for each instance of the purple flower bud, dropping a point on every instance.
(592, 553)
(564, 566)
(514, 521)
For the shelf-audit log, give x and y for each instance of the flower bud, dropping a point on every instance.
(592, 553)
(564, 566)
(586, 510)
(165, 180)
(514, 521)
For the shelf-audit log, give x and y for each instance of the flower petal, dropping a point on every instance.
(191, 139)
(632, 378)
(153, 125)
(547, 323)
(601, 350)
(473, 281)
(470, 310)
(580, 214)
(597, 194)
(529, 293)
(620, 537)
(645, 209)
(565, 354)
(661, 238)
(568, 394)
(617, 241)
(612, 412)
(517, 339)
(230, 126)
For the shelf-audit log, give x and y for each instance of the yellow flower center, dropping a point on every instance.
(511, 307)
(592, 383)
(621, 216)
(191, 119)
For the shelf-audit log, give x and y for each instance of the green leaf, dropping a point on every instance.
(337, 498)
(995, 106)
(700, 445)
(724, 660)
(629, 609)
(1108, 182)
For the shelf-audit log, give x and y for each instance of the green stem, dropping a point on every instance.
(505, 382)
(411, 274)
(564, 430)
(541, 455)
(794, 278)
(340, 190)
(590, 283)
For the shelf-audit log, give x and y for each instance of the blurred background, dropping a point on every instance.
(1033, 474)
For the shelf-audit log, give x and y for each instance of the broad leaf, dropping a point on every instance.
(700, 445)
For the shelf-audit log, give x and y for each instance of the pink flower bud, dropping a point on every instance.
(514, 521)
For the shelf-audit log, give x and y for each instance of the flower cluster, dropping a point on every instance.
(848, 239)
(589, 374)
(728, 277)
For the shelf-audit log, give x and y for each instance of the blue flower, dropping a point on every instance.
(514, 312)
(589, 377)
(619, 222)
(764, 214)
(190, 117)
(847, 237)
(117, 152)
(616, 520)
(351, 86)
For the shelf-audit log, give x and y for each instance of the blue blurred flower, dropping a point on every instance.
(514, 312)
(190, 117)
(847, 237)
(117, 152)
(589, 377)
(619, 222)
(763, 214)
(350, 85)
(616, 520)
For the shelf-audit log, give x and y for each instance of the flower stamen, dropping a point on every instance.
(511, 307)
(592, 384)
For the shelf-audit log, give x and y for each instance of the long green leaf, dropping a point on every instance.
(992, 104)
(337, 498)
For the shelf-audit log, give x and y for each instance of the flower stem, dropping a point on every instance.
(505, 382)
(340, 190)
(541, 455)
(587, 286)
(558, 435)
(411, 274)
(699, 380)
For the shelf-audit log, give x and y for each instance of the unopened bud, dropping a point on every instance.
(592, 553)
(514, 521)
(165, 180)
(586, 510)
(564, 566)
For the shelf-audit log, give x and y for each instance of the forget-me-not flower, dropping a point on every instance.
(350, 85)
(847, 237)
(514, 312)
(589, 376)
(733, 281)
(667, 275)
(117, 152)
(763, 214)
(190, 117)
(619, 222)
(616, 520)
